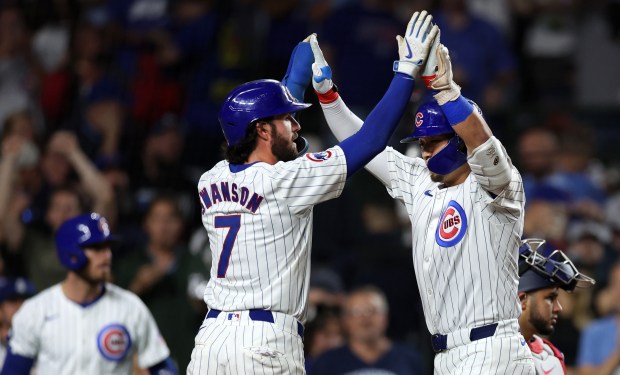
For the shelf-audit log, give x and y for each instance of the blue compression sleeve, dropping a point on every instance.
(299, 71)
(16, 364)
(164, 367)
(374, 135)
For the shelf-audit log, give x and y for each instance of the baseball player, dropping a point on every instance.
(465, 201)
(542, 275)
(257, 209)
(13, 293)
(85, 325)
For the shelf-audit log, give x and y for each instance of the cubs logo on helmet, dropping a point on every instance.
(319, 156)
(452, 225)
(114, 342)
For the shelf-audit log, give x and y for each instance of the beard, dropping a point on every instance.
(436, 177)
(283, 149)
(542, 325)
(91, 278)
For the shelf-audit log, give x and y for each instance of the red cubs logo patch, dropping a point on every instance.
(452, 225)
(114, 342)
(418, 119)
(319, 156)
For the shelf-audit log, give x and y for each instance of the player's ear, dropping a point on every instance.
(523, 299)
(263, 130)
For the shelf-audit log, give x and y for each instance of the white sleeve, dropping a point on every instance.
(150, 345)
(24, 339)
(344, 123)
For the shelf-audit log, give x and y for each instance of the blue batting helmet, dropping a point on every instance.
(75, 234)
(540, 267)
(430, 121)
(253, 101)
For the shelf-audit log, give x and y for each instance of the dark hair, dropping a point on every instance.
(239, 153)
(168, 198)
(84, 204)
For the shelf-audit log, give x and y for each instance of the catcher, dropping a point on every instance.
(542, 274)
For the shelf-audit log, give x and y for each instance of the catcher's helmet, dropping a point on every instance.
(253, 101)
(75, 234)
(540, 267)
(430, 121)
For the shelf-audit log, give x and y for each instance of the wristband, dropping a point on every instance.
(328, 97)
(458, 110)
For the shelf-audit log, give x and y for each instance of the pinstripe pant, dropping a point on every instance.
(492, 355)
(232, 343)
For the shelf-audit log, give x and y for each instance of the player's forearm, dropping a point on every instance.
(374, 135)
(340, 119)
(7, 172)
(344, 123)
(467, 122)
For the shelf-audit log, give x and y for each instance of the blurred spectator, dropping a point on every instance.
(17, 74)
(599, 347)
(13, 292)
(547, 215)
(588, 247)
(322, 333)
(34, 250)
(167, 277)
(482, 60)
(190, 47)
(162, 166)
(537, 153)
(367, 348)
(597, 38)
(326, 289)
(546, 40)
(356, 38)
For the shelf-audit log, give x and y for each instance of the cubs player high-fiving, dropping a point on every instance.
(257, 209)
(465, 200)
(85, 325)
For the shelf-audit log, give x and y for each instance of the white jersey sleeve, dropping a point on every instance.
(344, 123)
(259, 221)
(150, 345)
(24, 338)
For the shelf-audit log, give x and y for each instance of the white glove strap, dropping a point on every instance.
(405, 67)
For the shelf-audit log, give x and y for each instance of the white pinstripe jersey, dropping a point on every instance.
(465, 245)
(259, 222)
(101, 338)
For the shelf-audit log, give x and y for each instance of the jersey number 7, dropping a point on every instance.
(233, 222)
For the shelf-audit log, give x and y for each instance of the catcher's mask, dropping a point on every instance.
(541, 268)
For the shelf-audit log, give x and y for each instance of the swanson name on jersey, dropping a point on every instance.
(222, 192)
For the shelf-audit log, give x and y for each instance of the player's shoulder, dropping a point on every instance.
(394, 155)
(116, 293)
(216, 170)
(40, 302)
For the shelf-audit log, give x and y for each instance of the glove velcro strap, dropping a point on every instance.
(405, 67)
(328, 97)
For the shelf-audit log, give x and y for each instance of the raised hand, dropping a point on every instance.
(413, 48)
(321, 72)
(438, 76)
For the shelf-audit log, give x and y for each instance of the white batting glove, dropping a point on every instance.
(321, 72)
(413, 49)
(437, 75)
